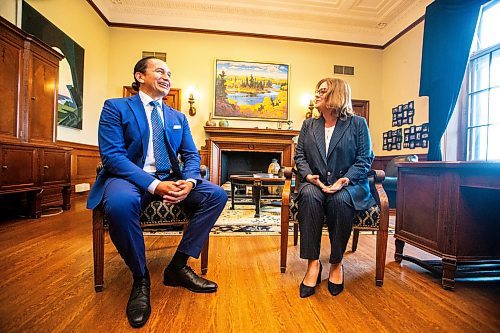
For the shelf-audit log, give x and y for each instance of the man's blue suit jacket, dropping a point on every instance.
(123, 143)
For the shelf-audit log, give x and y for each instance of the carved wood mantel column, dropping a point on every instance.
(220, 139)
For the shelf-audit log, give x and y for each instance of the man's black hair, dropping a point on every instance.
(140, 67)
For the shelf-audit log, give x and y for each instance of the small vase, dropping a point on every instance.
(210, 121)
(223, 123)
(274, 168)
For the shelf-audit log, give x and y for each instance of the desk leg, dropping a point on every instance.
(233, 188)
(449, 269)
(256, 188)
(398, 253)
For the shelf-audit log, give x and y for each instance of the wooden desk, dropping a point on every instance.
(257, 184)
(452, 210)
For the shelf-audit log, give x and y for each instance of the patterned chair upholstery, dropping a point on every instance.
(157, 213)
(374, 219)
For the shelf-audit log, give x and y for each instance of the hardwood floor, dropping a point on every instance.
(46, 285)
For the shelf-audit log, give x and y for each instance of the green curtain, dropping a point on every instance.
(448, 32)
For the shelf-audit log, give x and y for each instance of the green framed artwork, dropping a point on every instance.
(251, 90)
(70, 90)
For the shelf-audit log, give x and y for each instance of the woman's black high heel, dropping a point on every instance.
(336, 288)
(306, 291)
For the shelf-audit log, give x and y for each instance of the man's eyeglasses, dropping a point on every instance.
(320, 92)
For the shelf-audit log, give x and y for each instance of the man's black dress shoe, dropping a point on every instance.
(336, 288)
(306, 291)
(187, 278)
(138, 306)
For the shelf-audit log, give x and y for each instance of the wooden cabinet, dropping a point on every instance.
(31, 162)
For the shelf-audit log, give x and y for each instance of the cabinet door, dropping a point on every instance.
(11, 62)
(55, 166)
(18, 167)
(42, 101)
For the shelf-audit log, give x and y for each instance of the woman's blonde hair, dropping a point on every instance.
(338, 97)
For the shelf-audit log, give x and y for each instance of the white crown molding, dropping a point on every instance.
(351, 21)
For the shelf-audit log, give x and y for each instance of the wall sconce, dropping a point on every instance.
(192, 109)
(311, 108)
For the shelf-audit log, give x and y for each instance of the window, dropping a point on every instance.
(483, 88)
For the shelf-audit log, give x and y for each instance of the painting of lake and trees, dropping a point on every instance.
(251, 90)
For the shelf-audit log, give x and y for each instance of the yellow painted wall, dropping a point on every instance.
(384, 77)
(80, 22)
(191, 57)
(400, 84)
(8, 10)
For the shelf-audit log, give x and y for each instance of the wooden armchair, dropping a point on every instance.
(157, 213)
(374, 219)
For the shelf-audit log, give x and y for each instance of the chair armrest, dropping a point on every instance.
(376, 178)
(98, 168)
(287, 172)
(285, 196)
(378, 192)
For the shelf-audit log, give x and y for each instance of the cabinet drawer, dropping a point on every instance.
(18, 167)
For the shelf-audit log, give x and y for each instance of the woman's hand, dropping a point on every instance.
(339, 184)
(314, 179)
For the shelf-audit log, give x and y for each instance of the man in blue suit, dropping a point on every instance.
(139, 140)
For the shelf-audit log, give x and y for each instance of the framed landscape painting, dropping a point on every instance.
(251, 90)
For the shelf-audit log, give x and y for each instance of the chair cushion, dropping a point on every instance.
(160, 212)
(369, 218)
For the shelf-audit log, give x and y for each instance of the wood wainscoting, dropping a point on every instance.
(84, 159)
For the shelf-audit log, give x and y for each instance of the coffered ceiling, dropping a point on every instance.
(372, 22)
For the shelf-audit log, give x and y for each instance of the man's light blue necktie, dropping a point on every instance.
(159, 144)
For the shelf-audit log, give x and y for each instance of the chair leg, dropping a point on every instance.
(98, 243)
(204, 257)
(355, 237)
(381, 253)
(295, 233)
(285, 221)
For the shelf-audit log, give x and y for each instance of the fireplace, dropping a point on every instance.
(238, 148)
(244, 163)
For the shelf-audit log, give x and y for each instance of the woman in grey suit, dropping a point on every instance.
(333, 157)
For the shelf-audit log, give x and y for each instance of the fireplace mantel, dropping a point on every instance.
(221, 139)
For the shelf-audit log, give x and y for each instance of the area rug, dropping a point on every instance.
(242, 221)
